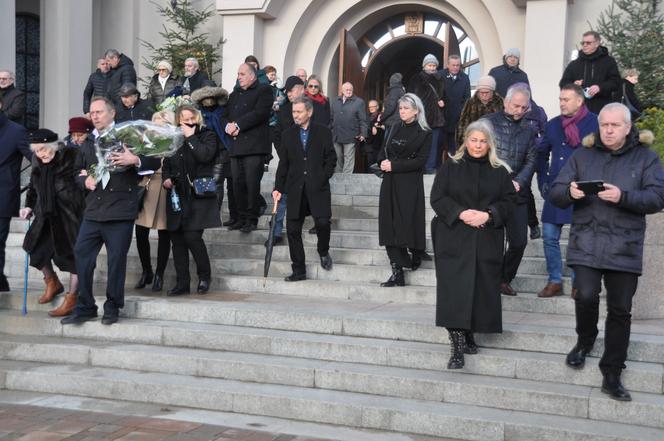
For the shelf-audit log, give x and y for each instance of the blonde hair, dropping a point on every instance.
(631, 72)
(164, 116)
(190, 108)
(485, 128)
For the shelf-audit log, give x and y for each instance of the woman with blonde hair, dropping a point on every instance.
(472, 196)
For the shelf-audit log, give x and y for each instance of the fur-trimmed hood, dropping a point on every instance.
(210, 92)
(645, 137)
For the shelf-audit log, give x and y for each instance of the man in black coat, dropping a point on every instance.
(193, 79)
(515, 144)
(457, 86)
(509, 73)
(13, 99)
(306, 164)
(595, 70)
(96, 84)
(111, 208)
(13, 148)
(607, 233)
(247, 118)
(122, 72)
(133, 107)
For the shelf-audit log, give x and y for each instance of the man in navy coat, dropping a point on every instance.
(13, 148)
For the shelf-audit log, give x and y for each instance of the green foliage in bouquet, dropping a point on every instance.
(653, 120)
(141, 140)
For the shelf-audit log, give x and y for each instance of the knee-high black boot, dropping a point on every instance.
(470, 347)
(396, 279)
(457, 343)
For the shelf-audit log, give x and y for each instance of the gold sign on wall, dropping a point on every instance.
(414, 23)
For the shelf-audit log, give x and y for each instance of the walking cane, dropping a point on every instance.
(24, 311)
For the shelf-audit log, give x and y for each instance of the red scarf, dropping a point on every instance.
(319, 97)
(570, 126)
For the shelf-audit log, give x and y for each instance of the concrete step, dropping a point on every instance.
(451, 387)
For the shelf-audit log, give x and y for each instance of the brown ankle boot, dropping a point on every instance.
(66, 307)
(53, 288)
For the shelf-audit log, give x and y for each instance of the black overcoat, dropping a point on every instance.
(251, 110)
(13, 148)
(194, 159)
(401, 220)
(69, 204)
(430, 88)
(469, 260)
(309, 169)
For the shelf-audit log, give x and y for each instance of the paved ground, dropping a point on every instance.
(36, 423)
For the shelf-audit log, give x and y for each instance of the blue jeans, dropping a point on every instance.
(554, 261)
(281, 214)
(436, 139)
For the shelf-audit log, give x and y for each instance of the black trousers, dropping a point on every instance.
(516, 229)
(532, 210)
(227, 177)
(247, 172)
(620, 288)
(294, 232)
(143, 247)
(449, 143)
(183, 242)
(116, 236)
(399, 256)
(4, 233)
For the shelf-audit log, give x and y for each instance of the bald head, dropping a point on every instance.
(246, 75)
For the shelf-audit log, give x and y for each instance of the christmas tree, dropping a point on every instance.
(634, 30)
(181, 39)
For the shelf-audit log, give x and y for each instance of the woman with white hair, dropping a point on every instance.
(472, 196)
(401, 205)
(57, 203)
(162, 83)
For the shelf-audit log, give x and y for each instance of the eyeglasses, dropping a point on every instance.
(587, 42)
(313, 86)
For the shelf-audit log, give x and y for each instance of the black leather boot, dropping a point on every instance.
(612, 386)
(146, 278)
(457, 343)
(396, 279)
(470, 347)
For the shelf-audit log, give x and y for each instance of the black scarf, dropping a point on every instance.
(47, 189)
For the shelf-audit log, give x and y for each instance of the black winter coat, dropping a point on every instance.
(391, 105)
(122, 74)
(458, 92)
(505, 76)
(469, 260)
(142, 110)
(401, 221)
(605, 235)
(430, 88)
(196, 81)
(285, 120)
(119, 200)
(307, 171)
(250, 109)
(627, 93)
(515, 144)
(13, 148)
(69, 204)
(13, 104)
(598, 68)
(194, 159)
(156, 94)
(97, 86)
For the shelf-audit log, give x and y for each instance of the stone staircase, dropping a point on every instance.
(335, 349)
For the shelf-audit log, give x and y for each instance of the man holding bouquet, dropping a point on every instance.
(111, 208)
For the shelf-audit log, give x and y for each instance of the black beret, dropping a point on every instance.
(42, 136)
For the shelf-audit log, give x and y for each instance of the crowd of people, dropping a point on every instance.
(593, 168)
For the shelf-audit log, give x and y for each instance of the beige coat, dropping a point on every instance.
(153, 214)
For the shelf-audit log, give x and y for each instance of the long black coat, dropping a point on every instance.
(251, 110)
(309, 169)
(401, 221)
(469, 260)
(13, 148)
(430, 88)
(195, 159)
(69, 204)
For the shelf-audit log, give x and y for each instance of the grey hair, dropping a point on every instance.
(414, 102)
(55, 146)
(612, 107)
(113, 53)
(308, 104)
(483, 126)
(517, 89)
(193, 60)
(252, 70)
(12, 75)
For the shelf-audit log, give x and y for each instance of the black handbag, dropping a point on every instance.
(375, 169)
(204, 187)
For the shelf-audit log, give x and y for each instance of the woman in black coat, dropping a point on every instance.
(472, 196)
(57, 204)
(401, 205)
(187, 219)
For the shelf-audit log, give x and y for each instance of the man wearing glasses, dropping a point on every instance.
(595, 71)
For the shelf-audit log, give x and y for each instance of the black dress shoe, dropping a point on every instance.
(203, 286)
(229, 222)
(416, 262)
(612, 386)
(146, 278)
(4, 284)
(236, 226)
(506, 289)
(277, 241)
(178, 291)
(109, 319)
(535, 232)
(326, 262)
(296, 277)
(313, 230)
(248, 228)
(158, 283)
(74, 319)
(425, 256)
(577, 356)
